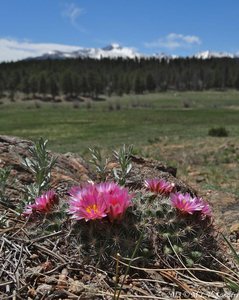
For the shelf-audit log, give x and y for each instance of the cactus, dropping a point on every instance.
(173, 229)
(100, 240)
(176, 238)
(180, 237)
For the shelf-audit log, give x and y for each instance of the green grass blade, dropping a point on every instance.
(234, 287)
(231, 248)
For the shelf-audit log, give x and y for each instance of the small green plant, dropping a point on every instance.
(123, 157)
(40, 164)
(4, 180)
(99, 163)
(218, 131)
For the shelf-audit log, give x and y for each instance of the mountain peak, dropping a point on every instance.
(111, 51)
(112, 46)
(210, 54)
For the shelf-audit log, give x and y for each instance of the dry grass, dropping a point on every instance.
(47, 267)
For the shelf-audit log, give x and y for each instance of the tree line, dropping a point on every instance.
(93, 77)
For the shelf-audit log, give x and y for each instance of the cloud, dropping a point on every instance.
(174, 41)
(12, 50)
(72, 12)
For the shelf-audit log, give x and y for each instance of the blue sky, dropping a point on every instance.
(181, 27)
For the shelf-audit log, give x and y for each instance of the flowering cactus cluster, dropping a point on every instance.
(109, 219)
(180, 226)
(165, 226)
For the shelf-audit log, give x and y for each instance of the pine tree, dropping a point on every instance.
(1, 89)
(237, 82)
(85, 86)
(139, 86)
(42, 85)
(54, 89)
(150, 83)
(67, 83)
(33, 86)
(25, 87)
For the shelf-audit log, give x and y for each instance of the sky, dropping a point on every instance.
(180, 27)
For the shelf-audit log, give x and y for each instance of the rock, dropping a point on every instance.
(44, 288)
(234, 228)
(69, 170)
(200, 179)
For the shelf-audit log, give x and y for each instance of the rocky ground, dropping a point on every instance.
(71, 170)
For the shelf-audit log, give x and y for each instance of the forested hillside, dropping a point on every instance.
(92, 77)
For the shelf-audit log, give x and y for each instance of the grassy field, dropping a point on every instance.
(138, 120)
(168, 126)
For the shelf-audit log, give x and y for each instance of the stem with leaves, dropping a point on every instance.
(40, 164)
(98, 162)
(123, 157)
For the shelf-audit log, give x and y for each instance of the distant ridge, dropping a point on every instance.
(110, 51)
(115, 50)
(210, 54)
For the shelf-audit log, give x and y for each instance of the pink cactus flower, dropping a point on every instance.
(185, 203)
(159, 186)
(107, 187)
(206, 209)
(43, 204)
(98, 201)
(117, 198)
(85, 203)
(74, 190)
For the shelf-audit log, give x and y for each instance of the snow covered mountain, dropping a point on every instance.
(111, 51)
(210, 54)
(163, 55)
(200, 55)
(115, 50)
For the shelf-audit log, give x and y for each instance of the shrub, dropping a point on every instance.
(218, 131)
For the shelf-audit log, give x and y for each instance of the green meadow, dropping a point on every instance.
(171, 127)
(138, 120)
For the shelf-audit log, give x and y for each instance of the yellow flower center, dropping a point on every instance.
(92, 209)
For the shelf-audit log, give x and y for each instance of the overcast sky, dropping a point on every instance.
(181, 27)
